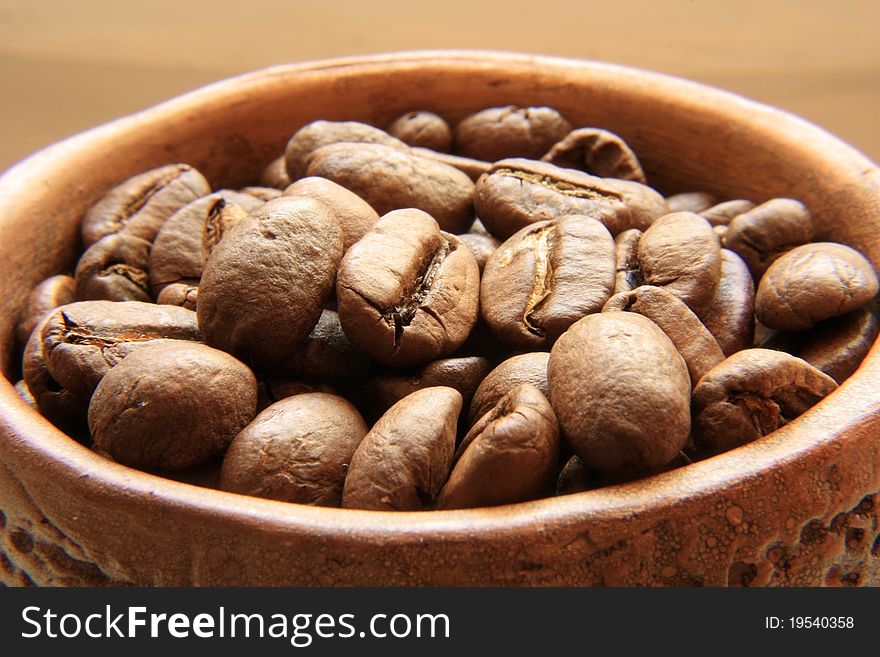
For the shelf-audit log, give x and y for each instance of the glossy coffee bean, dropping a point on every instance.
(423, 129)
(115, 268)
(838, 345)
(47, 296)
(499, 132)
(528, 368)
(730, 315)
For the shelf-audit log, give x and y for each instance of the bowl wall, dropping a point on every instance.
(798, 507)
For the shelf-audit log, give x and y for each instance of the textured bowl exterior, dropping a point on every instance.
(799, 507)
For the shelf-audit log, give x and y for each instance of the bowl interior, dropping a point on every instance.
(687, 136)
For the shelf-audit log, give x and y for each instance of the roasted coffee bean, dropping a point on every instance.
(185, 295)
(60, 406)
(680, 252)
(262, 194)
(546, 277)
(403, 462)
(499, 132)
(115, 268)
(515, 193)
(47, 296)
(384, 390)
(482, 246)
(765, 232)
(837, 346)
(275, 174)
(723, 213)
(389, 179)
(508, 456)
(186, 240)
(408, 293)
(316, 134)
(691, 202)
(327, 355)
(691, 338)
(274, 389)
(730, 315)
(597, 152)
(752, 393)
(528, 368)
(172, 406)
(574, 477)
(141, 204)
(81, 341)
(628, 275)
(424, 129)
(265, 283)
(297, 450)
(467, 165)
(632, 369)
(814, 282)
(355, 216)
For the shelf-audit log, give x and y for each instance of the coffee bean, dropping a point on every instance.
(814, 282)
(264, 284)
(691, 202)
(730, 315)
(482, 246)
(389, 178)
(275, 174)
(528, 368)
(80, 342)
(424, 129)
(355, 216)
(837, 346)
(574, 477)
(408, 293)
(316, 134)
(184, 294)
(404, 460)
(516, 192)
(467, 165)
(274, 389)
(297, 450)
(765, 232)
(500, 132)
(384, 390)
(508, 456)
(621, 392)
(546, 277)
(680, 252)
(186, 240)
(597, 152)
(691, 338)
(142, 203)
(47, 296)
(327, 355)
(172, 405)
(723, 213)
(751, 394)
(628, 275)
(115, 268)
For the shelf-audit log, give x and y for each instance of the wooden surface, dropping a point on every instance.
(66, 66)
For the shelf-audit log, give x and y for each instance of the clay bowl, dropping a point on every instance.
(798, 507)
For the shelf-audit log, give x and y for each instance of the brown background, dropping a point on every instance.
(68, 65)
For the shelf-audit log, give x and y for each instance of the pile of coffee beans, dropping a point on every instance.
(434, 317)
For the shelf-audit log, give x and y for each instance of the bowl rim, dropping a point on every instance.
(710, 477)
